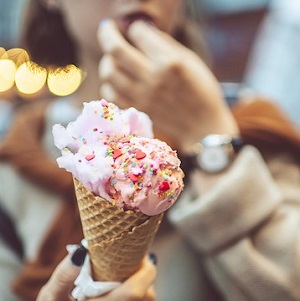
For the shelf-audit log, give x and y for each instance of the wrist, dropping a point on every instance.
(214, 153)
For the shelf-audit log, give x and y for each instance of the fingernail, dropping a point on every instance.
(79, 256)
(153, 258)
(104, 21)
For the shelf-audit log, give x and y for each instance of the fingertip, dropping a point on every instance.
(78, 256)
(102, 28)
(109, 35)
(149, 265)
(138, 28)
(142, 279)
(153, 258)
(147, 38)
(104, 21)
(64, 275)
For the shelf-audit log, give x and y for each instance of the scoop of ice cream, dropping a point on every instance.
(146, 175)
(112, 153)
(98, 120)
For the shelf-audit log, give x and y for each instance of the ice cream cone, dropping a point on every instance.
(117, 239)
(124, 179)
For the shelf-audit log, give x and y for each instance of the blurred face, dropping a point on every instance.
(83, 16)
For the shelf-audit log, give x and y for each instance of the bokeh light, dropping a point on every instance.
(2, 51)
(16, 69)
(17, 55)
(64, 81)
(7, 74)
(30, 78)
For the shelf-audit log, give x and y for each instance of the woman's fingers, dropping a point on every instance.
(144, 277)
(114, 81)
(59, 286)
(125, 55)
(124, 72)
(155, 44)
(150, 295)
(137, 287)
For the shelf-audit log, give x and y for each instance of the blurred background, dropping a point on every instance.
(252, 45)
(11, 13)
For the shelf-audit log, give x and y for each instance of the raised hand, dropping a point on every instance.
(151, 71)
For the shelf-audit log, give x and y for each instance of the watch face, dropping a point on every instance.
(213, 159)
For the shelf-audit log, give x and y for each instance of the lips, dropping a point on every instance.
(127, 20)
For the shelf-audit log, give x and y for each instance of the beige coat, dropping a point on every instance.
(243, 228)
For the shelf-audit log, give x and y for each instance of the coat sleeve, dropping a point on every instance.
(245, 223)
(23, 149)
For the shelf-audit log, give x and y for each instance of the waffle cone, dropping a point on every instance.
(117, 239)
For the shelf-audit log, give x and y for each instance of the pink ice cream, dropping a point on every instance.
(112, 152)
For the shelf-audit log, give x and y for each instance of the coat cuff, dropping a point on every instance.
(240, 200)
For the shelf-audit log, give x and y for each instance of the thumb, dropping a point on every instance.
(60, 284)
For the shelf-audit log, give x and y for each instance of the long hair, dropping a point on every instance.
(46, 38)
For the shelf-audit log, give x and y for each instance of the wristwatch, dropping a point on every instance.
(214, 153)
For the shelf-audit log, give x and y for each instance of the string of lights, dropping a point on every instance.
(17, 70)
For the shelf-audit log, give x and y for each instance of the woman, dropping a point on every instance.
(63, 32)
(134, 60)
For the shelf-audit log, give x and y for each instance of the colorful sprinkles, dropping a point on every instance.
(108, 112)
(134, 164)
(139, 166)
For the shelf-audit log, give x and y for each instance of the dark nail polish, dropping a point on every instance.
(153, 258)
(79, 256)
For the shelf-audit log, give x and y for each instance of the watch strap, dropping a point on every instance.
(190, 161)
